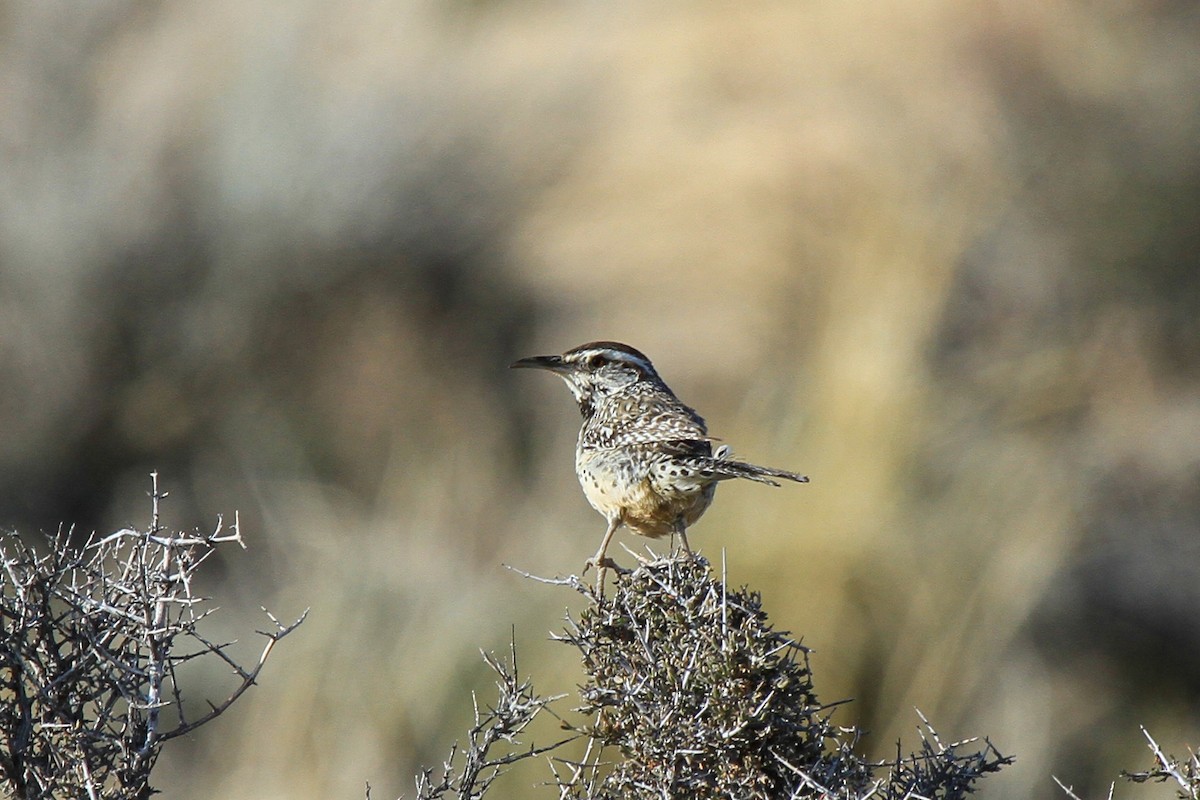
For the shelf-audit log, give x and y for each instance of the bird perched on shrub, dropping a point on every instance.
(644, 459)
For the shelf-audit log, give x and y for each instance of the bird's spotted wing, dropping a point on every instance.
(641, 417)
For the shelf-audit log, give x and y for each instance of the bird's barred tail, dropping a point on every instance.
(753, 472)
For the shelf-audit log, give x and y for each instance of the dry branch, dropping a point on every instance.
(93, 640)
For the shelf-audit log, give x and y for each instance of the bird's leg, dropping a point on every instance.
(600, 560)
(681, 529)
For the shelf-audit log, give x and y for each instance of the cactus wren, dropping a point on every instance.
(644, 459)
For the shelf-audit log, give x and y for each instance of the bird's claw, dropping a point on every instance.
(605, 563)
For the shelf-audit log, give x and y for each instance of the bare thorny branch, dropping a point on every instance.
(680, 667)
(1184, 773)
(691, 693)
(468, 772)
(94, 637)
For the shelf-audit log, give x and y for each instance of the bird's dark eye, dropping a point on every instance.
(596, 360)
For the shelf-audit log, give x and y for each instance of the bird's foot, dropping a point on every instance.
(684, 550)
(605, 564)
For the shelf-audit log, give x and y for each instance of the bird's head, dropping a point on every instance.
(596, 370)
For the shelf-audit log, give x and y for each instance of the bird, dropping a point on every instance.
(643, 458)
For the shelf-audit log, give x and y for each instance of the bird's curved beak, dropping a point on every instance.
(552, 363)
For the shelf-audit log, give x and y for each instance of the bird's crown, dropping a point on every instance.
(598, 355)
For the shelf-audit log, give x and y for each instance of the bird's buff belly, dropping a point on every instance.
(644, 508)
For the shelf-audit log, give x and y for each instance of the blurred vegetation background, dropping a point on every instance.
(940, 256)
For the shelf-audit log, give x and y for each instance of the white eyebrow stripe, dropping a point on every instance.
(622, 355)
